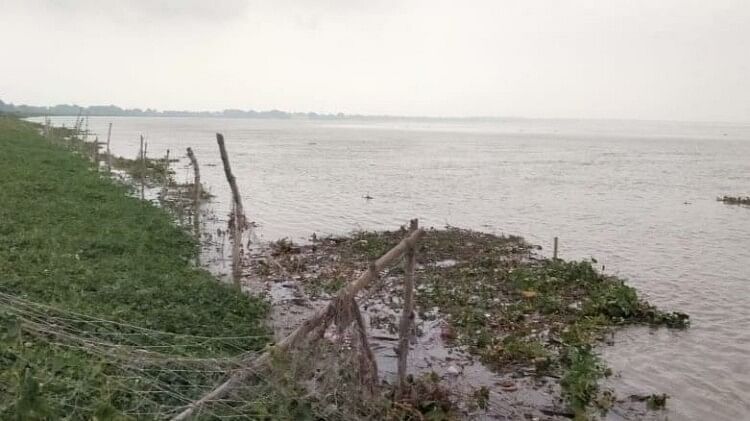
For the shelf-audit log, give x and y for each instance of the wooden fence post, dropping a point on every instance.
(77, 129)
(407, 316)
(86, 131)
(109, 153)
(238, 212)
(165, 174)
(143, 168)
(96, 152)
(196, 177)
(554, 250)
(196, 194)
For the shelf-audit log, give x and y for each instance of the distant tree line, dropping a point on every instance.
(113, 110)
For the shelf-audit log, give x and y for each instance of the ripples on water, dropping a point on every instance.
(638, 196)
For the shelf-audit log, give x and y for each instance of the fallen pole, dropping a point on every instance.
(323, 315)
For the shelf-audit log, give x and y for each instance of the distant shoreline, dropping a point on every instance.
(66, 110)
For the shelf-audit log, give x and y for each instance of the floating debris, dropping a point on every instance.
(491, 313)
(735, 200)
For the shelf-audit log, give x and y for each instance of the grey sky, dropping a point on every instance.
(650, 59)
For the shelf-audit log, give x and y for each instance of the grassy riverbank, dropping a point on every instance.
(76, 241)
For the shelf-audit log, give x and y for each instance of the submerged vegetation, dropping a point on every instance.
(514, 310)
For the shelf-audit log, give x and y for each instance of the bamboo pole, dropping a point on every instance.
(236, 246)
(77, 129)
(109, 154)
(196, 177)
(165, 175)
(96, 152)
(86, 131)
(196, 192)
(407, 316)
(143, 168)
(554, 250)
(324, 315)
(238, 212)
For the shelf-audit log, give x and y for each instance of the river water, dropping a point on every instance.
(640, 197)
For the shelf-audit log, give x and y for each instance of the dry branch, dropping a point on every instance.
(322, 316)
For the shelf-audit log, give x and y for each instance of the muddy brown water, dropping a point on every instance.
(640, 197)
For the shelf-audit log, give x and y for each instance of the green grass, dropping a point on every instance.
(75, 240)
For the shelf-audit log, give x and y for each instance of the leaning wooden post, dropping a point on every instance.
(230, 177)
(236, 246)
(196, 194)
(143, 168)
(407, 316)
(238, 212)
(196, 177)
(96, 152)
(554, 250)
(109, 154)
(165, 175)
(324, 315)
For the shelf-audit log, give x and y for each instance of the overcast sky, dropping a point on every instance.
(646, 59)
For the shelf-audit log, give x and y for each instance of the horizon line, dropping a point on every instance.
(154, 112)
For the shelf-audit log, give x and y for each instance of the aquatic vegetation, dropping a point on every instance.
(735, 200)
(580, 381)
(517, 312)
(657, 401)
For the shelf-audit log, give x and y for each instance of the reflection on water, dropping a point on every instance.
(638, 196)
